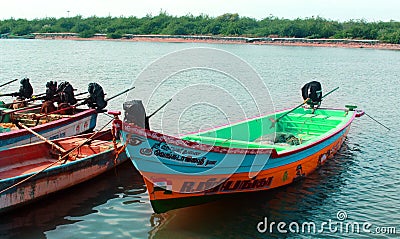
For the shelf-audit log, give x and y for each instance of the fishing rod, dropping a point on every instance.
(11, 81)
(155, 112)
(290, 111)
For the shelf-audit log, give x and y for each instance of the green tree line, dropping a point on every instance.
(225, 25)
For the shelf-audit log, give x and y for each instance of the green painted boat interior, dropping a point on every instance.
(296, 129)
(4, 118)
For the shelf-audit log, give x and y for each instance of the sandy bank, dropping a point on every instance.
(344, 43)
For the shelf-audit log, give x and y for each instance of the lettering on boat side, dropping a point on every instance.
(164, 150)
(57, 136)
(187, 159)
(214, 185)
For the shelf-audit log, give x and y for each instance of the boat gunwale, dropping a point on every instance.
(21, 132)
(130, 128)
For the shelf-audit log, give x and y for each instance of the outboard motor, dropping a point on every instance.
(25, 90)
(51, 90)
(312, 93)
(96, 99)
(136, 114)
(66, 93)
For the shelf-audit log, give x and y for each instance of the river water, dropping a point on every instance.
(362, 182)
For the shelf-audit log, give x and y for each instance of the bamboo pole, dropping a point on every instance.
(42, 138)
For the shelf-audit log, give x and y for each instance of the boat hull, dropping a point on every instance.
(79, 123)
(177, 175)
(55, 178)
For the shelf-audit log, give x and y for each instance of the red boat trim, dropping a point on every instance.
(360, 113)
(21, 132)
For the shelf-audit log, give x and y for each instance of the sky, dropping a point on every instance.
(339, 10)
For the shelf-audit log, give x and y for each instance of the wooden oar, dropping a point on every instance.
(11, 81)
(63, 151)
(273, 121)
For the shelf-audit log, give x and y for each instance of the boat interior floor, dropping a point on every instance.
(37, 164)
(26, 167)
(295, 129)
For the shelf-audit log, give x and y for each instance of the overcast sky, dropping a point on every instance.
(342, 10)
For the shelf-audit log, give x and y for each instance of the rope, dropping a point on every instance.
(52, 164)
(118, 152)
(114, 140)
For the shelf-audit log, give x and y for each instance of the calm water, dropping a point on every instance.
(362, 180)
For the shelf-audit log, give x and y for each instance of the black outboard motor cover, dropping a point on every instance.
(66, 93)
(135, 113)
(51, 90)
(313, 92)
(25, 90)
(96, 99)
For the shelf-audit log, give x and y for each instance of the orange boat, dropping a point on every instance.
(253, 155)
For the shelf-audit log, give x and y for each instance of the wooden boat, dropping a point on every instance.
(253, 155)
(51, 126)
(46, 173)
